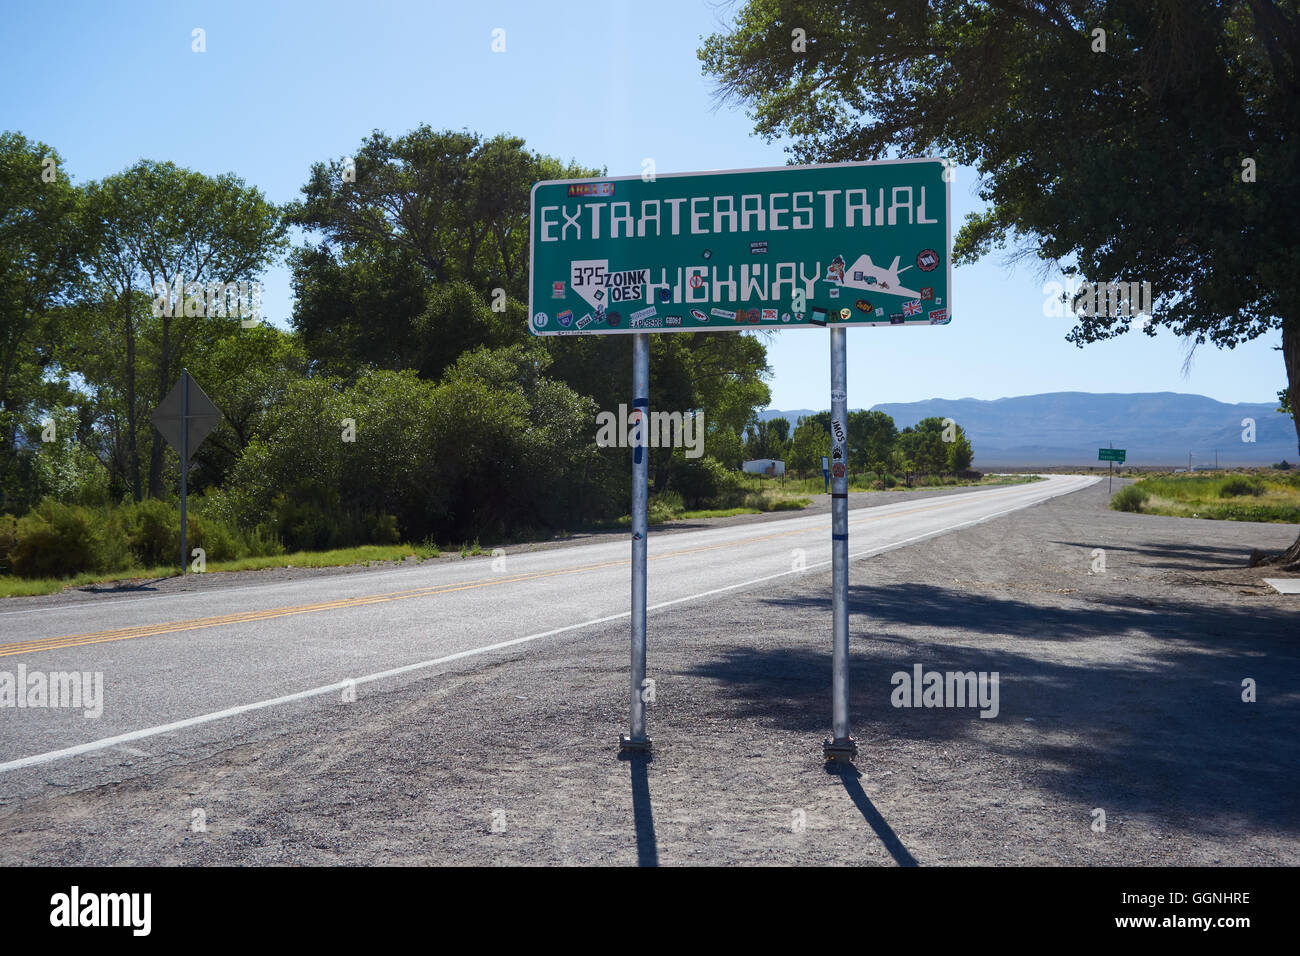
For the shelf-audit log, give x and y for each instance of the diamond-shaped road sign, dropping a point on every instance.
(202, 414)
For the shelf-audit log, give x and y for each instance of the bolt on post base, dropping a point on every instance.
(841, 749)
(634, 744)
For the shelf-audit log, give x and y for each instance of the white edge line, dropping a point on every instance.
(107, 742)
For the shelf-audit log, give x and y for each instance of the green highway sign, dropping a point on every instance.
(1110, 454)
(851, 244)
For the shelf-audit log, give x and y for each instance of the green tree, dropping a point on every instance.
(423, 251)
(960, 451)
(41, 246)
(809, 443)
(724, 446)
(454, 204)
(871, 436)
(900, 460)
(489, 450)
(767, 438)
(1171, 157)
(924, 447)
(423, 255)
(158, 226)
(246, 374)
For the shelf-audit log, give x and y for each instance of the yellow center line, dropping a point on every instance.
(248, 617)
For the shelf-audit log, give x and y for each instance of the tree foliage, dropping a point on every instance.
(41, 248)
(1123, 141)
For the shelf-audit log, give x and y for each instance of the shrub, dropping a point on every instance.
(218, 541)
(878, 485)
(658, 514)
(56, 540)
(309, 517)
(262, 541)
(1240, 485)
(153, 528)
(1131, 498)
(706, 483)
(8, 538)
(664, 506)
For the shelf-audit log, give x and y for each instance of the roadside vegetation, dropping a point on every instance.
(1261, 495)
(405, 402)
(11, 586)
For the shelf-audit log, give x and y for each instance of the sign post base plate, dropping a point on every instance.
(840, 749)
(634, 744)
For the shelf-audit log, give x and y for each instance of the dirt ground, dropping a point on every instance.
(1120, 690)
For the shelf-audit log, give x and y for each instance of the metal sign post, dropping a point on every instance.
(185, 458)
(863, 245)
(637, 739)
(841, 746)
(1111, 455)
(826, 472)
(185, 417)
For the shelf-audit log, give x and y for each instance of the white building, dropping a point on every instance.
(763, 466)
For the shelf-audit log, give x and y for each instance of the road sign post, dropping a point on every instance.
(831, 246)
(185, 460)
(826, 472)
(1110, 455)
(185, 417)
(839, 747)
(636, 740)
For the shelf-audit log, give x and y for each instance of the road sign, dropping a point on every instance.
(1110, 454)
(203, 416)
(861, 244)
(186, 417)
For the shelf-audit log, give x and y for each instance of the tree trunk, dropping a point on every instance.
(156, 452)
(1291, 355)
(132, 448)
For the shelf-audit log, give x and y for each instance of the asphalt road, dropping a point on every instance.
(1146, 673)
(199, 666)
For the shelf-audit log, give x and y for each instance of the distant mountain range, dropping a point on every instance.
(1067, 428)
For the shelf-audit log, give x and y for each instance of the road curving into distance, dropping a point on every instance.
(215, 658)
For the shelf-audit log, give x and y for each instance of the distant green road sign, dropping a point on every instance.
(1110, 454)
(853, 244)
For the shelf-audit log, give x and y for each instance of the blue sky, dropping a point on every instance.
(609, 84)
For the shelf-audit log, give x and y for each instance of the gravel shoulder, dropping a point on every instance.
(1120, 690)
